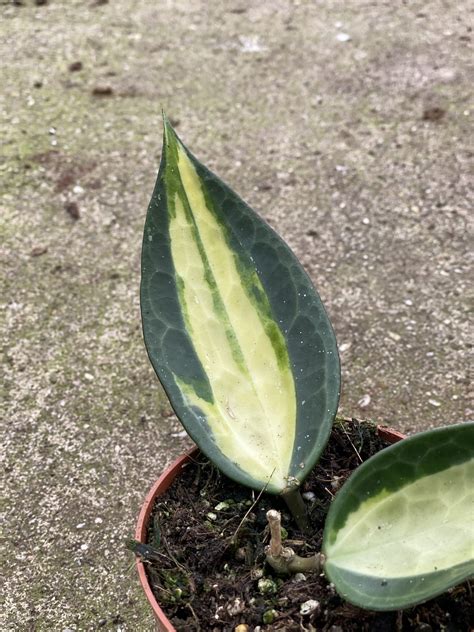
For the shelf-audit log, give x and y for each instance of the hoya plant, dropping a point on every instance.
(244, 349)
(235, 330)
(401, 529)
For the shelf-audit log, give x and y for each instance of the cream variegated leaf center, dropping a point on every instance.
(252, 414)
(421, 528)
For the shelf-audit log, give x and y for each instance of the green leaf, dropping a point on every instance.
(401, 530)
(234, 328)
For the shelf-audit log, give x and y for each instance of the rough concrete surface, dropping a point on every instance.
(346, 124)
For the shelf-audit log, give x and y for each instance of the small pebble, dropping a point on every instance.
(309, 607)
(343, 37)
(299, 577)
(225, 504)
(423, 627)
(240, 554)
(269, 616)
(236, 607)
(364, 401)
(266, 586)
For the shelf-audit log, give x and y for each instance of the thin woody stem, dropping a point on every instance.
(283, 559)
(274, 522)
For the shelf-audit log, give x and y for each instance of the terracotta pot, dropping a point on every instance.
(163, 624)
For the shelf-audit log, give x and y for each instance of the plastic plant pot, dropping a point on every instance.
(159, 488)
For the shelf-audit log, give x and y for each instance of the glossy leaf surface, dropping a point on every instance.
(234, 328)
(401, 530)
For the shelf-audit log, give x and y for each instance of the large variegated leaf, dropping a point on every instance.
(234, 328)
(401, 530)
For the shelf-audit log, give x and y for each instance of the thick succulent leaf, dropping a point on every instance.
(401, 530)
(234, 328)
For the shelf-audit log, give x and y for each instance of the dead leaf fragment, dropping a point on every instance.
(102, 91)
(75, 66)
(433, 114)
(72, 209)
(37, 251)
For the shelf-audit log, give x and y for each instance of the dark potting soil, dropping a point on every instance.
(207, 560)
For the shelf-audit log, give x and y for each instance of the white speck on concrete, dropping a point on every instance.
(364, 401)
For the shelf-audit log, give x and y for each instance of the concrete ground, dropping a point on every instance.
(345, 123)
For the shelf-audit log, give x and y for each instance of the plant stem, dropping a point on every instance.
(297, 507)
(274, 522)
(284, 560)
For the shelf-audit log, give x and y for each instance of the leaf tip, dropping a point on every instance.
(168, 130)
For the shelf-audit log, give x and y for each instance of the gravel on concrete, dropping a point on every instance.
(346, 124)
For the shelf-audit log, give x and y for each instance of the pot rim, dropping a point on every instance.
(161, 485)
